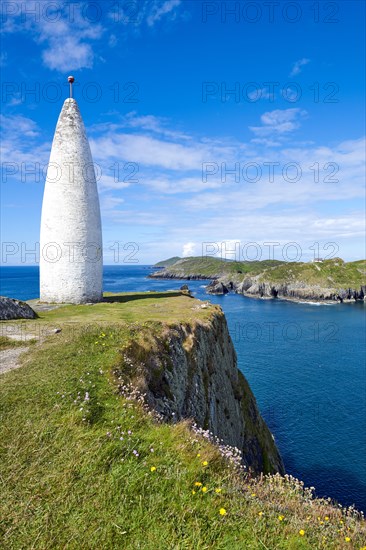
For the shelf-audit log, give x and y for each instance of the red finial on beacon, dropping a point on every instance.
(71, 80)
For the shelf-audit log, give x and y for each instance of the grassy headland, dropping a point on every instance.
(329, 279)
(85, 465)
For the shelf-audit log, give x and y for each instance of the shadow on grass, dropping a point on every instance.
(140, 296)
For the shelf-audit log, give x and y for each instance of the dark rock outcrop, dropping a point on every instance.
(15, 309)
(185, 288)
(297, 290)
(217, 287)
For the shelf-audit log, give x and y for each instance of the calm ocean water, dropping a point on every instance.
(304, 362)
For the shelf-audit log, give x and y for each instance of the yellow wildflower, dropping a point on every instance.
(301, 532)
(204, 489)
(281, 518)
(260, 514)
(253, 494)
(223, 512)
(347, 539)
(326, 518)
(198, 484)
(205, 463)
(153, 468)
(193, 492)
(199, 454)
(217, 491)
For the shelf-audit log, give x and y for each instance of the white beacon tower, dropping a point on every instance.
(71, 262)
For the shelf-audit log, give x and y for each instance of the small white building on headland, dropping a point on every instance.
(71, 260)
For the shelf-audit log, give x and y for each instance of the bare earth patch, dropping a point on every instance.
(9, 358)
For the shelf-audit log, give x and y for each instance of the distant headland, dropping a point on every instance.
(331, 280)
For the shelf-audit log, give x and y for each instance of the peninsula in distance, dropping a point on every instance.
(320, 280)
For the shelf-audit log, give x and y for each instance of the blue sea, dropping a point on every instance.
(306, 366)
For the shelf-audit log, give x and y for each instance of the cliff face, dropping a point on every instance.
(298, 290)
(192, 373)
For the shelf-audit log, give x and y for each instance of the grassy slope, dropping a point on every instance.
(215, 267)
(68, 480)
(329, 274)
(168, 262)
(8, 343)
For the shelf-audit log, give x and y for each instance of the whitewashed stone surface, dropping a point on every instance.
(71, 263)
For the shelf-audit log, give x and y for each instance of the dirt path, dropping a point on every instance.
(9, 358)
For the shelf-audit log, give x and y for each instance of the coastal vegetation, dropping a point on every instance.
(332, 279)
(85, 463)
(334, 271)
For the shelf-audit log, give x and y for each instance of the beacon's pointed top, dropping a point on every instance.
(71, 81)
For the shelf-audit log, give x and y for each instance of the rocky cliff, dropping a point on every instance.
(296, 290)
(191, 372)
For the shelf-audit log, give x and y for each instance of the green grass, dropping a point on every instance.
(131, 307)
(68, 480)
(8, 343)
(206, 266)
(168, 262)
(330, 273)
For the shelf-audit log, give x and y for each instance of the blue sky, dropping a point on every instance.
(225, 128)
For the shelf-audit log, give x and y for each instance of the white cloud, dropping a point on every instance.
(174, 202)
(17, 126)
(297, 66)
(148, 123)
(261, 93)
(189, 249)
(3, 59)
(66, 36)
(152, 152)
(279, 122)
(159, 10)
(79, 55)
(109, 202)
(69, 38)
(266, 142)
(113, 41)
(67, 44)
